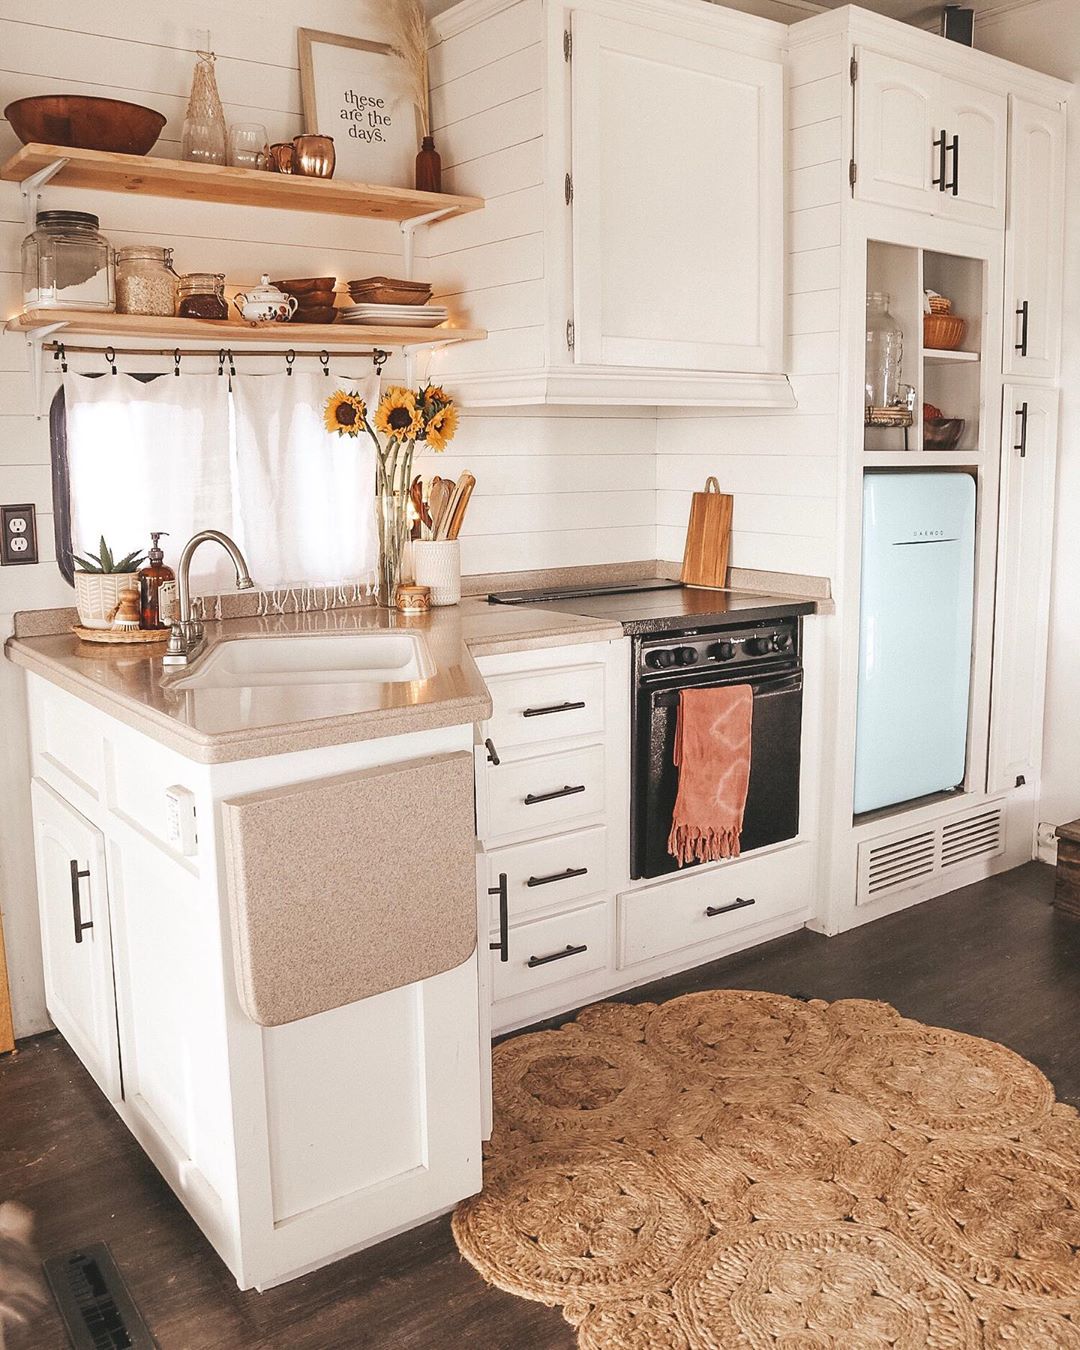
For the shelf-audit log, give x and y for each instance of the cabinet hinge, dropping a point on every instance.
(853, 173)
(570, 334)
(853, 69)
(568, 189)
(567, 45)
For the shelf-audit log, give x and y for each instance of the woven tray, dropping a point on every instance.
(123, 636)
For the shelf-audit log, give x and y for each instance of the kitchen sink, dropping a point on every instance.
(310, 658)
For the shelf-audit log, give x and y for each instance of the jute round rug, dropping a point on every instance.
(736, 1169)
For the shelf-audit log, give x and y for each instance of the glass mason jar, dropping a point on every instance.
(67, 263)
(145, 280)
(884, 354)
(202, 296)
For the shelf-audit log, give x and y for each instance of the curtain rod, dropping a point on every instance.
(66, 349)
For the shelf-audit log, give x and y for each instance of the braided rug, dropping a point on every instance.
(737, 1169)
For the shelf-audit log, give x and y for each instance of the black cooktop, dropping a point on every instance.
(658, 606)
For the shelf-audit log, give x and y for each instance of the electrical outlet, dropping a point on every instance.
(18, 535)
(1047, 835)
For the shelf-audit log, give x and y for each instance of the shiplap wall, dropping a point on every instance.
(553, 490)
(781, 467)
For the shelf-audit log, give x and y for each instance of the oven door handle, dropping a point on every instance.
(766, 687)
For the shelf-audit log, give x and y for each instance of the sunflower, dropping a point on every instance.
(398, 414)
(344, 413)
(433, 397)
(441, 427)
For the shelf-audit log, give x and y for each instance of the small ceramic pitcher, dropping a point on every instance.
(265, 303)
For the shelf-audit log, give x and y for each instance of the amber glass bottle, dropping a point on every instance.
(428, 167)
(152, 578)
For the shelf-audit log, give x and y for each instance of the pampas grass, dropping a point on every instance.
(409, 40)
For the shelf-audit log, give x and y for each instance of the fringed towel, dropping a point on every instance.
(712, 753)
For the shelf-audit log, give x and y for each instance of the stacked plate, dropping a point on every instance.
(395, 316)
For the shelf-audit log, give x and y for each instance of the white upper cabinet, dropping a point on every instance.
(928, 142)
(677, 201)
(1034, 239)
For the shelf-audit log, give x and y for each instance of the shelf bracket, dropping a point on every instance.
(35, 340)
(408, 236)
(31, 191)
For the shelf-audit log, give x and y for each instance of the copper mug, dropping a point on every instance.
(280, 159)
(313, 156)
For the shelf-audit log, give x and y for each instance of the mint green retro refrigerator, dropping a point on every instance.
(918, 588)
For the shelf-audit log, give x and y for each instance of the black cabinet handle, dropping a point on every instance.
(939, 146)
(1024, 315)
(533, 798)
(503, 944)
(740, 903)
(558, 876)
(555, 708)
(493, 754)
(535, 961)
(954, 186)
(1022, 413)
(77, 874)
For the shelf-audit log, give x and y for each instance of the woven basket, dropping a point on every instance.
(943, 332)
(940, 305)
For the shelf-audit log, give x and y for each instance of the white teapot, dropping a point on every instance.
(265, 303)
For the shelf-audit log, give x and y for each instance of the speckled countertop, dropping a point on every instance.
(214, 726)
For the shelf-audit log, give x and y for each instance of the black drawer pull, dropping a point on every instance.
(555, 707)
(954, 186)
(1024, 315)
(535, 797)
(558, 876)
(77, 874)
(535, 961)
(503, 944)
(739, 903)
(493, 754)
(939, 146)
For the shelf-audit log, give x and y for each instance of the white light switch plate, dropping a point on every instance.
(183, 831)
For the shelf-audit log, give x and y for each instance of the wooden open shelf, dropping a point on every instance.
(226, 333)
(237, 187)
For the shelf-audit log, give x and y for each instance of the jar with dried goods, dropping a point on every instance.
(145, 280)
(202, 296)
(67, 263)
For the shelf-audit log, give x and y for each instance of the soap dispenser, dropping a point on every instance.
(157, 587)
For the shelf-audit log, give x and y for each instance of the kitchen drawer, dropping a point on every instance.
(561, 870)
(660, 920)
(563, 947)
(541, 794)
(539, 706)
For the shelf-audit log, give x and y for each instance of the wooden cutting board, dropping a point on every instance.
(708, 538)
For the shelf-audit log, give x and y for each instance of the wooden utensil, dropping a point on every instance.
(438, 501)
(457, 516)
(451, 510)
(423, 517)
(708, 538)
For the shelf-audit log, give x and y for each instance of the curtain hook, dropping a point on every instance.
(176, 360)
(324, 361)
(290, 357)
(221, 361)
(110, 357)
(379, 359)
(63, 359)
(232, 362)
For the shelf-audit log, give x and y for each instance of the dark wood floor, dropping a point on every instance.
(994, 960)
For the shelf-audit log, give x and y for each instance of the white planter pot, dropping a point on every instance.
(97, 595)
(437, 564)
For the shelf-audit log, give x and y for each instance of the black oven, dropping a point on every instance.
(767, 656)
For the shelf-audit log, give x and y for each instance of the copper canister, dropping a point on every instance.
(314, 156)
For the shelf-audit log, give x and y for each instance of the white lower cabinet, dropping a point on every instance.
(76, 937)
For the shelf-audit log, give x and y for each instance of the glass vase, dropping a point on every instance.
(393, 479)
(203, 138)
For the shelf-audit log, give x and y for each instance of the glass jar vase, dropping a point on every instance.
(67, 263)
(145, 281)
(202, 296)
(884, 355)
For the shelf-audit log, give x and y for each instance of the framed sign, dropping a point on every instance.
(359, 93)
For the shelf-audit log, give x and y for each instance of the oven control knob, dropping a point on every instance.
(686, 656)
(760, 646)
(658, 660)
(781, 642)
(724, 651)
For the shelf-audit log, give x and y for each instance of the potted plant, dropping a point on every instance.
(100, 579)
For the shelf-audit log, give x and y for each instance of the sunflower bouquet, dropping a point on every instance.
(403, 419)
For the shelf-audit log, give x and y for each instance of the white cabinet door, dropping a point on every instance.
(1034, 239)
(898, 141)
(976, 123)
(1021, 614)
(678, 160)
(75, 934)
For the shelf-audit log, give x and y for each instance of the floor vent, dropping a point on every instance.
(98, 1311)
(898, 861)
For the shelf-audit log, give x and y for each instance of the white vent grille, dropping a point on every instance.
(898, 861)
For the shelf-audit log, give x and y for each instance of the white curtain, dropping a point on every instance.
(150, 456)
(304, 496)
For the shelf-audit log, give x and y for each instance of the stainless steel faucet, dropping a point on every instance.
(187, 637)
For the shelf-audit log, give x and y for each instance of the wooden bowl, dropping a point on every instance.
(315, 314)
(313, 299)
(85, 123)
(943, 332)
(389, 291)
(942, 433)
(305, 285)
